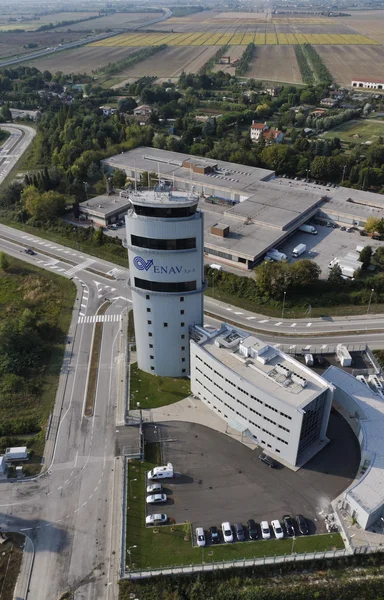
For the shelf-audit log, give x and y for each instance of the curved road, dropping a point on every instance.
(14, 147)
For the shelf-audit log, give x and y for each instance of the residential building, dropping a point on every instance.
(144, 110)
(164, 232)
(257, 129)
(271, 135)
(272, 399)
(329, 102)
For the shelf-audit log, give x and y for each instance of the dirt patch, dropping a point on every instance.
(349, 62)
(275, 63)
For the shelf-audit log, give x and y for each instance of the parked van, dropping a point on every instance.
(161, 472)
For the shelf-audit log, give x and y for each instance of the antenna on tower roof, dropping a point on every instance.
(134, 166)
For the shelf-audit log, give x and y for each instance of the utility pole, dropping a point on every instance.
(344, 169)
(370, 300)
(282, 312)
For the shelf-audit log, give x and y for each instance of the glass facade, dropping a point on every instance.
(165, 212)
(165, 286)
(312, 421)
(163, 244)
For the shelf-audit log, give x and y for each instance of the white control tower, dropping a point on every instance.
(164, 233)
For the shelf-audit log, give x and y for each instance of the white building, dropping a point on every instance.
(164, 233)
(368, 84)
(270, 397)
(257, 129)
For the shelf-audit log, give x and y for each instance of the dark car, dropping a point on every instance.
(240, 533)
(268, 460)
(252, 529)
(289, 525)
(320, 360)
(214, 535)
(29, 251)
(342, 228)
(302, 524)
(363, 233)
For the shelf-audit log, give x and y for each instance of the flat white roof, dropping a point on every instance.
(265, 377)
(368, 491)
(171, 198)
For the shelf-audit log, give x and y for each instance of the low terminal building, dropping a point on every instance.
(364, 411)
(275, 401)
(105, 210)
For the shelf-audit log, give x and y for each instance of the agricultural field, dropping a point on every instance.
(169, 63)
(349, 62)
(275, 63)
(32, 23)
(358, 131)
(12, 43)
(83, 60)
(235, 38)
(116, 21)
(370, 23)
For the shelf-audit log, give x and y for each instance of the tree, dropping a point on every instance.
(303, 273)
(378, 257)
(365, 256)
(272, 278)
(374, 224)
(42, 207)
(127, 104)
(4, 262)
(6, 112)
(119, 178)
(335, 275)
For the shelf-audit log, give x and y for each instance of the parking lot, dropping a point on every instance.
(218, 479)
(327, 244)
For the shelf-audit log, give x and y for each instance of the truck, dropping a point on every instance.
(347, 271)
(299, 250)
(308, 229)
(276, 255)
(16, 453)
(165, 472)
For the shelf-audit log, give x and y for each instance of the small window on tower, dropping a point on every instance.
(165, 324)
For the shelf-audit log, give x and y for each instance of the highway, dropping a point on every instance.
(13, 148)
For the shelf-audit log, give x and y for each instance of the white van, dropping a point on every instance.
(161, 472)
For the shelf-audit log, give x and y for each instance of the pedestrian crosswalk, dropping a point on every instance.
(99, 319)
(80, 267)
(115, 272)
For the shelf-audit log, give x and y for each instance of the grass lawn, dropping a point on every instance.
(153, 391)
(10, 561)
(293, 312)
(365, 130)
(168, 547)
(50, 297)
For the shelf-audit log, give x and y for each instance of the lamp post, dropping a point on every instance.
(213, 285)
(282, 312)
(370, 300)
(77, 241)
(85, 183)
(130, 555)
(344, 169)
(308, 172)
(130, 484)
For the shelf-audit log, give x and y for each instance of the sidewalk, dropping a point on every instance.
(22, 583)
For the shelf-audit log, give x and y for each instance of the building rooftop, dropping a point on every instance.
(105, 205)
(264, 366)
(369, 489)
(160, 196)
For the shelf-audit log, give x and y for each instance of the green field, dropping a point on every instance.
(357, 131)
(153, 391)
(165, 546)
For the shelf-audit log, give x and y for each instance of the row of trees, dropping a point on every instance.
(321, 72)
(321, 123)
(245, 60)
(211, 62)
(130, 60)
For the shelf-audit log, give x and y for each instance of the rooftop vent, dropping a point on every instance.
(299, 379)
(283, 370)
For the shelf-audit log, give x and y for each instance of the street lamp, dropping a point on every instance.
(282, 312)
(308, 171)
(213, 285)
(370, 300)
(85, 183)
(130, 484)
(130, 555)
(344, 168)
(77, 241)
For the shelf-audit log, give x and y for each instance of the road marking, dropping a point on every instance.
(115, 272)
(250, 318)
(278, 323)
(264, 321)
(84, 504)
(229, 308)
(293, 324)
(99, 318)
(239, 313)
(80, 266)
(309, 324)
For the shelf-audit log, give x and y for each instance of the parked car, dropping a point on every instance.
(320, 360)
(156, 499)
(227, 532)
(268, 460)
(214, 533)
(342, 228)
(363, 233)
(265, 531)
(289, 525)
(240, 533)
(252, 529)
(277, 529)
(29, 251)
(200, 536)
(158, 519)
(302, 524)
(155, 488)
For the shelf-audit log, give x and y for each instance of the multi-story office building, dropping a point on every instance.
(277, 402)
(165, 250)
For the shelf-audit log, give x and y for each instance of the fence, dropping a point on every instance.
(244, 562)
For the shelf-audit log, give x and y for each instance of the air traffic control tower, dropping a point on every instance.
(164, 232)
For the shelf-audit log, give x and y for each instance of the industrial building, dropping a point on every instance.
(164, 232)
(105, 210)
(368, 84)
(247, 210)
(278, 403)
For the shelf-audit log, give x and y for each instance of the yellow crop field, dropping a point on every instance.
(259, 38)
(235, 39)
(271, 39)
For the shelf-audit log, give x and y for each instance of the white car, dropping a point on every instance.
(156, 499)
(227, 532)
(277, 529)
(200, 536)
(155, 488)
(265, 531)
(159, 519)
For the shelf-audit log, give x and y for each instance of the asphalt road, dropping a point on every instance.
(13, 148)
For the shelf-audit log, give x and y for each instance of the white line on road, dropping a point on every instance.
(250, 318)
(264, 321)
(293, 324)
(309, 324)
(278, 323)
